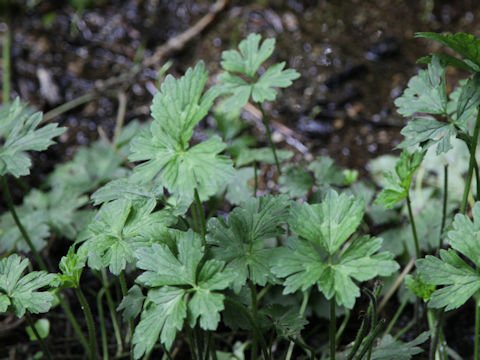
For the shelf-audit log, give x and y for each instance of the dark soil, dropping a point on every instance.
(355, 58)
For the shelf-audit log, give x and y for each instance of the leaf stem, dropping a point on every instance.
(396, 316)
(414, 228)
(72, 104)
(24, 233)
(303, 306)
(255, 179)
(103, 331)
(253, 295)
(201, 214)
(471, 165)
(113, 314)
(73, 321)
(444, 205)
(37, 335)
(90, 324)
(333, 330)
(123, 285)
(477, 326)
(269, 137)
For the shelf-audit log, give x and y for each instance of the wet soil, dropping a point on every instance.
(355, 58)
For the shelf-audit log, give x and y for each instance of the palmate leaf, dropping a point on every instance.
(121, 227)
(295, 181)
(179, 106)
(460, 280)
(466, 45)
(177, 293)
(330, 223)
(239, 241)
(397, 188)
(390, 349)
(71, 266)
(425, 93)
(19, 134)
(247, 62)
(132, 303)
(17, 293)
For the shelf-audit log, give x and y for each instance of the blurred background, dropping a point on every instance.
(355, 58)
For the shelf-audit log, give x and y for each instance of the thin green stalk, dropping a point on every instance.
(371, 338)
(471, 165)
(358, 339)
(477, 326)
(396, 316)
(477, 178)
(303, 306)
(342, 326)
(73, 321)
(37, 335)
(7, 38)
(256, 330)
(253, 295)
(113, 313)
(191, 342)
(196, 224)
(269, 137)
(444, 204)
(213, 352)
(90, 324)
(72, 104)
(414, 228)
(201, 213)
(123, 285)
(103, 330)
(333, 330)
(255, 179)
(437, 331)
(29, 242)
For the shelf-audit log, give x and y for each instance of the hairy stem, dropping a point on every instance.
(113, 313)
(103, 330)
(255, 179)
(37, 335)
(471, 165)
(123, 285)
(90, 324)
(253, 295)
(269, 138)
(414, 228)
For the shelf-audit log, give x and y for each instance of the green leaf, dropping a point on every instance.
(120, 229)
(250, 57)
(330, 223)
(71, 267)
(179, 106)
(239, 188)
(397, 188)
(419, 287)
(466, 45)
(247, 62)
(275, 76)
(469, 96)
(19, 134)
(20, 293)
(426, 131)
(425, 92)
(295, 181)
(43, 329)
(303, 265)
(391, 349)
(239, 241)
(448, 60)
(172, 277)
(286, 320)
(131, 303)
(326, 172)
(125, 188)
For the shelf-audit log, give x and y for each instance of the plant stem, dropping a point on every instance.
(72, 104)
(269, 138)
(477, 326)
(103, 330)
(37, 335)
(444, 205)
(414, 228)
(255, 179)
(256, 330)
(473, 148)
(342, 327)
(29, 242)
(113, 314)
(333, 330)
(73, 321)
(437, 331)
(253, 295)
(123, 285)
(303, 306)
(90, 324)
(396, 316)
(201, 213)
(6, 58)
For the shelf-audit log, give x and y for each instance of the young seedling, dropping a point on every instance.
(318, 256)
(246, 63)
